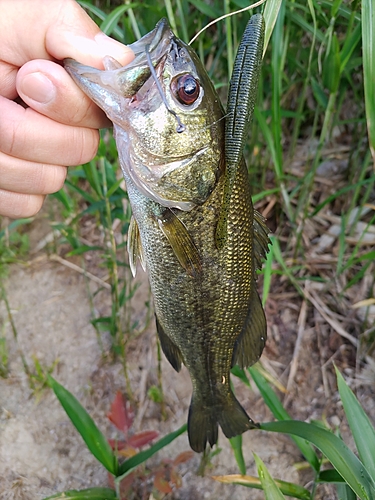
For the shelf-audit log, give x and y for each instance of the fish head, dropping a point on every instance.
(168, 122)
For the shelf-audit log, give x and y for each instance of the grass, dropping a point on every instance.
(311, 160)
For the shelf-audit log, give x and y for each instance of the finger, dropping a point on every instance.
(48, 89)
(18, 205)
(28, 135)
(63, 30)
(27, 177)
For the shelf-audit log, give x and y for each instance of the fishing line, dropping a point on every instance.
(180, 126)
(217, 121)
(256, 4)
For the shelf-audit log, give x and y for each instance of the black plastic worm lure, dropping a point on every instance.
(243, 89)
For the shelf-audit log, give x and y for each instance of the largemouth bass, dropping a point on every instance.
(208, 312)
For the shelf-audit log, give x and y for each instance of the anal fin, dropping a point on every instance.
(181, 242)
(171, 351)
(251, 341)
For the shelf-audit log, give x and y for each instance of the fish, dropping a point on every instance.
(169, 126)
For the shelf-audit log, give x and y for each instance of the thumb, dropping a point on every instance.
(75, 35)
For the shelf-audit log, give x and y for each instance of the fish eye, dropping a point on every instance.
(186, 88)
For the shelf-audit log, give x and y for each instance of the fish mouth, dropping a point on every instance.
(107, 88)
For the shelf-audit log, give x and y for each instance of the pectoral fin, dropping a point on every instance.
(135, 249)
(171, 351)
(181, 242)
(250, 343)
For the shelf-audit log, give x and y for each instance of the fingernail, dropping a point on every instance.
(38, 87)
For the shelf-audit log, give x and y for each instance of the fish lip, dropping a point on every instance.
(159, 35)
(107, 88)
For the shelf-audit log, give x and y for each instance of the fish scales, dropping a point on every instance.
(208, 312)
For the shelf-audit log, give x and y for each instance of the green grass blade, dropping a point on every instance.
(263, 194)
(362, 429)
(345, 189)
(277, 74)
(205, 8)
(236, 444)
(266, 131)
(349, 46)
(270, 488)
(114, 188)
(171, 16)
(64, 199)
(109, 24)
(271, 11)
(92, 436)
(268, 394)
(306, 26)
(133, 462)
(14, 224)
(340, 456)
(368, 53)
(229, 40)
(133, 22)
(289, 489)
(89, 494)
(278, 256)
(86, 196)
(343, 10)
(101, 15)
(181, 15)
(92, 175)
(83, 249)
(241, 374)
(93, 9)
(267, 276)
(345, 493)
(330, 476)
(279, 412)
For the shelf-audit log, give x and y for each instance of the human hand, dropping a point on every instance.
(59, 126)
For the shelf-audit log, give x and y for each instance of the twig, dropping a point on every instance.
(55, 233)
(80, 270)
(294, 364)
(325, 312)
(324, 370)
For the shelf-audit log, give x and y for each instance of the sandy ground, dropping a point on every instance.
(40, 451)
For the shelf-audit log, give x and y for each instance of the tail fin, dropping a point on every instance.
(203, 421)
